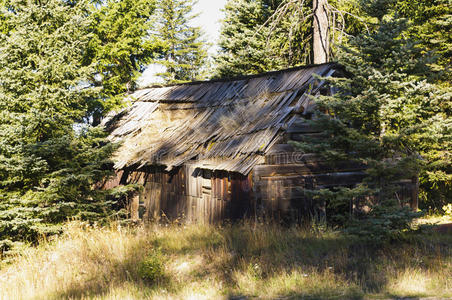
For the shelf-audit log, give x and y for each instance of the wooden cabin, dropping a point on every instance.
(215, 150)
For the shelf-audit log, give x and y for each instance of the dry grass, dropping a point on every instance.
(206, 262)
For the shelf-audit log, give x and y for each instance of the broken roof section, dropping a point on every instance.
(217, 125)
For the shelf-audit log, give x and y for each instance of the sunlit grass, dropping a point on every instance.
(207, 262)
(434, 220)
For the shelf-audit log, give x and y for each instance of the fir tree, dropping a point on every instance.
(3, 24)
(263, 35)
(243, 50)
(431, 25)
(48, 166)
(388, 116)
(185, 52)
(120, 48)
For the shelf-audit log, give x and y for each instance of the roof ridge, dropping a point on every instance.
(241, 77)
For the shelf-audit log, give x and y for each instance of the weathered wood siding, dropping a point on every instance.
(189, 129)
(275, 189)
(281, 183)
(190, 194)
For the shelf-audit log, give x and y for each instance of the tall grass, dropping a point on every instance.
(207, 262)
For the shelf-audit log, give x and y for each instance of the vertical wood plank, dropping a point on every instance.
(134, 205)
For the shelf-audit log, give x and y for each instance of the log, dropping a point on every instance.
(278, 148)
(328, 179)
(302, 128)
(307, 168)
(284, 158)
(307, 137)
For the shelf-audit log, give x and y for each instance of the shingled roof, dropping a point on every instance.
(218, 125)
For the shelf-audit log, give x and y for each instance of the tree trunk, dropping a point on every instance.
(320, 31)
(415, 193)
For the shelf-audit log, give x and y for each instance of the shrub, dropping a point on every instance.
(385, 221)
(448, 210)
(151, 269)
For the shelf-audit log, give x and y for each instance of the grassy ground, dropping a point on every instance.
(205, 262)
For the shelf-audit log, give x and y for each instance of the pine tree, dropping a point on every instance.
(263, 35)
(48, 164)
(242, 50)
(120, 48)
(185, 52)
(247, 45)
(387, 115)
(431, 24)
(3, 24)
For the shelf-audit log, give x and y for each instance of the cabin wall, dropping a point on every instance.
(190, 194)
(281, 185)
(275, 189)
(282, 182)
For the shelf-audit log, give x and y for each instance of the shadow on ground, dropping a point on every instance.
(271, 262)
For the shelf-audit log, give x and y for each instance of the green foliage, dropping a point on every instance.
(425, 106)
(384, 221)
(120, 48)
(263, 35)
(61, 188)
(185, 52)
(4, 27)
(242, 49)
(389, 115)
(431, 25)
(49, 163)
(448, 210)
(151, 269)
